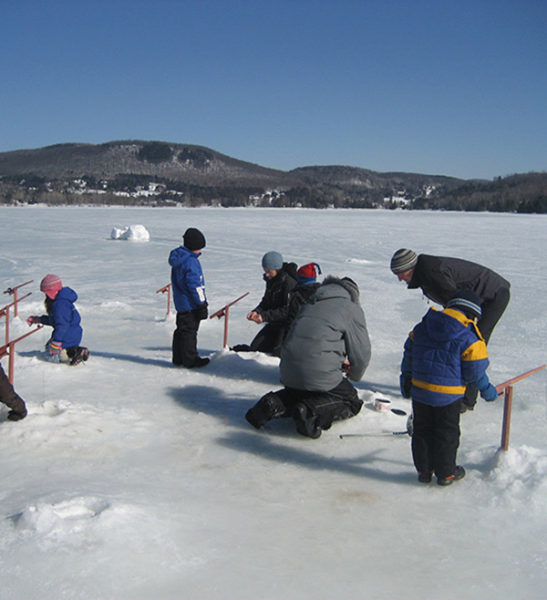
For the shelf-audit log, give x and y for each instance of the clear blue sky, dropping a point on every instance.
(450, 87)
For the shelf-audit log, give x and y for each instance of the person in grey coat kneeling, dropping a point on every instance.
(326, 346)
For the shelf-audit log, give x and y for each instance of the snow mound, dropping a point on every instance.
(60, 518)
(135, 233)
(521, 474)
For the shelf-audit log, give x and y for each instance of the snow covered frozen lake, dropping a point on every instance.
(134, 480)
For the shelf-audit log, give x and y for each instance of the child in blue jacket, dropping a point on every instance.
(64, 344)
(444, 353)
(189, 296)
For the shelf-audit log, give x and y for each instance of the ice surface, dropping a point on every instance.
(131, 479)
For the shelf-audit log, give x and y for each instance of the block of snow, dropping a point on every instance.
(135, 233)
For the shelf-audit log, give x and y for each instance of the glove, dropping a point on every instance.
(487, 390)
(405, 383)
(32, 320)
(54, 350)
(490, 393)
(202, 311)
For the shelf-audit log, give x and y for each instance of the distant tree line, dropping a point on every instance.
(516, 193)
(525, 193)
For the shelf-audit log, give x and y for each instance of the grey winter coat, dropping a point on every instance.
(329, 329)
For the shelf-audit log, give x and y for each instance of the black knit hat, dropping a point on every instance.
(403, 260)
(466, 301)
(193, 239)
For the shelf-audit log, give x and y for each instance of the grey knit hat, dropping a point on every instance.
(272, 260)
(403, 260)
(466, 301)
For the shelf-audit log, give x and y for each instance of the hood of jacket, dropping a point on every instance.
(334, 287)
(68, 294)
(180, 255)
(447, 324)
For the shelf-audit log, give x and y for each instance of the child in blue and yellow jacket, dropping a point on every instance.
(442, 355)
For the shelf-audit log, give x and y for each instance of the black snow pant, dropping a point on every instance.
(185, 338)
(11, 399)
(491, 314)
(311, 411)
(269, 339)
(435, 438)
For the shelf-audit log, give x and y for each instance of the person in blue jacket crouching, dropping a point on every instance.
(64, 344)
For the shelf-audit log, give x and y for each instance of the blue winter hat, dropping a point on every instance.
(272, 260)
(466, 301)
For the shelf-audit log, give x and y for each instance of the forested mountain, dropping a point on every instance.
(166, 174)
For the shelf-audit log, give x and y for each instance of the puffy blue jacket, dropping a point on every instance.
(187, 279)
(443, 353)
(64, 318)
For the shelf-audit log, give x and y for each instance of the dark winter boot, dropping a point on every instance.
(306, 423)
(267, 408)
(241, 348)
(425, 477)
(17, 415)
(459, 473)
(79, 354)
(199, 362)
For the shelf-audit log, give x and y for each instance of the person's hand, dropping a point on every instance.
(203, 311)
(490, 393)
(487, 390)
(405, 383)
(32, 321)
(345, 366)
(256, 317)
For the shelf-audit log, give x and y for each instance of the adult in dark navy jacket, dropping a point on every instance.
(440, 277)
(62, 315)
(443, 354)
(190, 300)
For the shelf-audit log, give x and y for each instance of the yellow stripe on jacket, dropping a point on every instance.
(439, 389)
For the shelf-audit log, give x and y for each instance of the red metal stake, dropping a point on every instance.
(508, 404)
(506, 388)
(166, 288)
(223, 312)
(4, 311)
(10, 363)
(226, 312)
(8, 349)
(14, 291)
